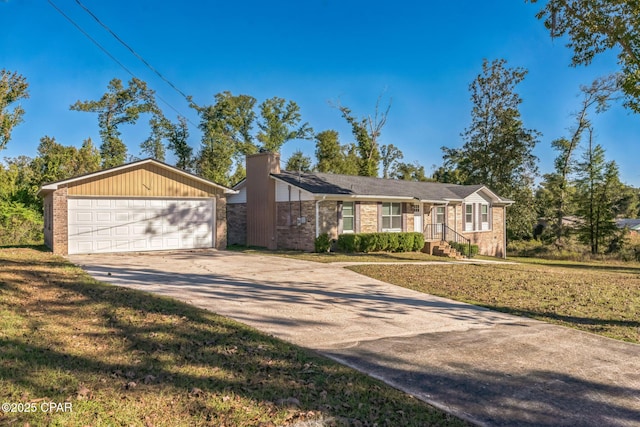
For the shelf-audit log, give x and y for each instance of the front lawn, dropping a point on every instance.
(594, 297)
(117, 356)
(328, 257)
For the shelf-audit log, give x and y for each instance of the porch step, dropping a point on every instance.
(443, 249)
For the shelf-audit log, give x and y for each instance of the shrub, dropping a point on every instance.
(322, 243)
(463, 248)
(375, 242)
(348, 242)
(20, 225)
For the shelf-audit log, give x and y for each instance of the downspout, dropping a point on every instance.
(318, 215)
(504, 231)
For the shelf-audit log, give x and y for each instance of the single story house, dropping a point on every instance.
(141, 206)
(286, 210)
(632, 224)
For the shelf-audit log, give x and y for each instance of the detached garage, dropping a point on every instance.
(141, 206)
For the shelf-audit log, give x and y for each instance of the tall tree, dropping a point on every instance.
(596, 26)
(329, 154)
(119, 105)
(178, 136)
(13, 87)
(280, 122)
(88, 158)
(596, 96)
(226, 135)
(367, 132)
(298, 162)
(153, 146)
(390, 155)
(598, 189)
(497, 149)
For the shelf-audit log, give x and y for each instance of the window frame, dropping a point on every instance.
(391, 216)
(468, 225)
(484, 216)
(352, 216)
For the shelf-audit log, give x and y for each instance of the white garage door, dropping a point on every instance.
(124, 225)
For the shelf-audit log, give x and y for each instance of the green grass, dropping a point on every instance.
(594, 297)
(330, 257)
(124, 357)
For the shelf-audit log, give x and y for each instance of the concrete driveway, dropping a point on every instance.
(487, 367)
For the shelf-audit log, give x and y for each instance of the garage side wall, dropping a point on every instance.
(60, 224)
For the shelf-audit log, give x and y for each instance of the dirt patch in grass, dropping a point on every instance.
(124, 357)
(598, 298)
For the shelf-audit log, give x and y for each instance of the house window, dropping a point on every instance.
(468, 217)
(391, 217)
(347, 217)
(484, 216)
(416, 209)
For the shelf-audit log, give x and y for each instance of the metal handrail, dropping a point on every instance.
(445, 233)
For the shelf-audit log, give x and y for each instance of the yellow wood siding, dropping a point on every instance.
(144, 181)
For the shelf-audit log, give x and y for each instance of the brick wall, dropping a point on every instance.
(368, 217)
(328, 215)
(237, 224)
(60, 229)
(491, 242)
(293, 235)
(221, 222)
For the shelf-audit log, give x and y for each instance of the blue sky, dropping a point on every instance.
(421, 55)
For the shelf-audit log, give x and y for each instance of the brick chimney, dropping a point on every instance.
(261, 199)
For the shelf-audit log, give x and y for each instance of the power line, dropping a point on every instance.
(106, 27)
(114, 59)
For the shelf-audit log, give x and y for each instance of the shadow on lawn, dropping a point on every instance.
(225, 357)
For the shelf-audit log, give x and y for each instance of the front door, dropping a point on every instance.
(417, 218)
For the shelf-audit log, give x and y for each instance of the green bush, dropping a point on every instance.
(20, 225)
(463, 248)
(322, 243)
(377, 242)
(348, 242)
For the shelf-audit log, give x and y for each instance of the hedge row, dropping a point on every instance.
(378, 242)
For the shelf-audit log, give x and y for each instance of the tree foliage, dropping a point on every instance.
(280, 122)
(178, 143)
(596, 26)
(332, 157)
(13, 87)
(298, 162)
(409, 172)
(497, 149)
(390, 156)
(598, 190)
(119, 105)
(226, 135)
(557, 185)
(367, 131)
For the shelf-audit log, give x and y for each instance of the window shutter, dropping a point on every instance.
(379, 216)
(356, 218)
(339, 218)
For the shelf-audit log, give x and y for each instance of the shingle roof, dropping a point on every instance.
(633, 224)
(332, 184)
